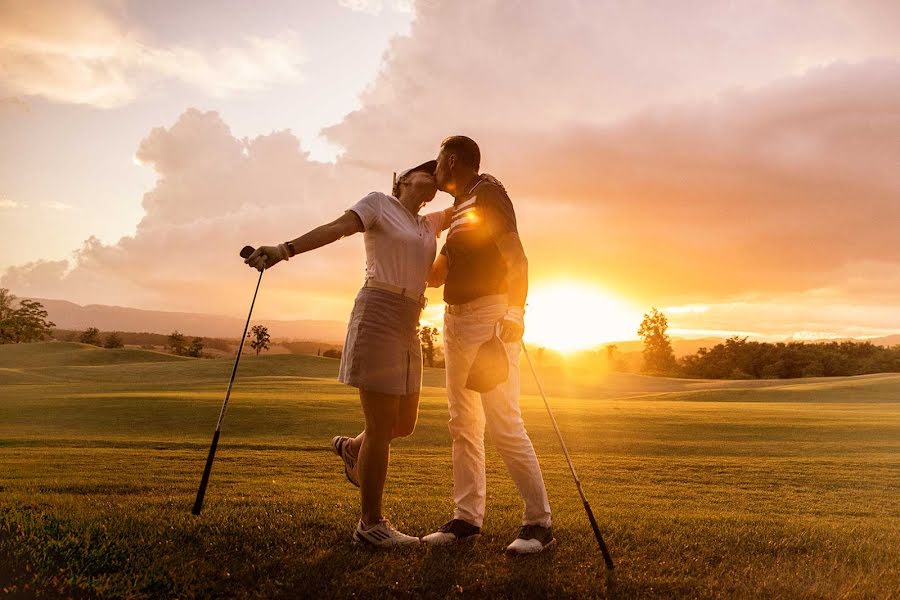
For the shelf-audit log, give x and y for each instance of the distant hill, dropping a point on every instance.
(68, 315)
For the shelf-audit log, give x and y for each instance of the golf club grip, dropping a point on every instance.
(201, 492)
(607, 558)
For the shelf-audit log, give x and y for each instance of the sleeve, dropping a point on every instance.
(437, 221)
(498, 210)
(369, 210)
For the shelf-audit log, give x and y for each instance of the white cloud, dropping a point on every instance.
(375, 7)
(80, 53)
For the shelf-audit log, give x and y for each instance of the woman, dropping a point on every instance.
(382, 355)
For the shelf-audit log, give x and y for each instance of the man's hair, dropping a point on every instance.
(465, 149)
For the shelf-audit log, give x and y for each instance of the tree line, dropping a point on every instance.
(739, 358)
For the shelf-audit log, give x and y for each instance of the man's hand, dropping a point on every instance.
(512, 325)
(265, 257)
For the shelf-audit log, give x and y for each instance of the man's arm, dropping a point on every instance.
(513, 254)
(505, 231)
(513, 324)
(438, 275)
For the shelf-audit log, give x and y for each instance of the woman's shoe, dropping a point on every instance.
(382, 535)
(341, 446)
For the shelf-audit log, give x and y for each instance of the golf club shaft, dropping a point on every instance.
(587, 507)
(201, 492)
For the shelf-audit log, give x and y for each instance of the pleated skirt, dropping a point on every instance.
(382, 352)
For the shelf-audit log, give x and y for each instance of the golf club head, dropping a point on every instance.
(246, 251)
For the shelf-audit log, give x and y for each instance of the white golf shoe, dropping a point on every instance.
(341, 446)
(452, 532)
(532, 539)
(382, 535)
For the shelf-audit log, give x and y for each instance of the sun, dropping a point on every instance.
(570, 316)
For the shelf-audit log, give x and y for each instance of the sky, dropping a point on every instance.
(735, 164)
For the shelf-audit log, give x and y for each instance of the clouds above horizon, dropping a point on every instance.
(727, 155)
(85, 53)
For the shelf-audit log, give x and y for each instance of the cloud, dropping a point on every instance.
(56, 205)
(712, 150)
(214, 194)
(6, 203)
(714, 155)
(375, 7)
(14, 103)
(82, 53)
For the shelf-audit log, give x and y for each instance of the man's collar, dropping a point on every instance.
(477, 180)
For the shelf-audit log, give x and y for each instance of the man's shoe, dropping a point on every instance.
(341, 446)
(382, 535)
(532, 539)
(453, 532)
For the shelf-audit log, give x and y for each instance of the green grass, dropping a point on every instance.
(703, 489)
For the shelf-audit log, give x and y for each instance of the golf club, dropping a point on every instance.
(587, 507)
(246, 251)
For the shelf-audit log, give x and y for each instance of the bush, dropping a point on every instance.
(91, 335)
(113, 340)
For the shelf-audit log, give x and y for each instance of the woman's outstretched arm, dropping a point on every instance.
(347, 224)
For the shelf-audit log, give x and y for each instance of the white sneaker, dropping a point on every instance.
(340, 445)
(532, 539)
(451, 532)
(382, 535)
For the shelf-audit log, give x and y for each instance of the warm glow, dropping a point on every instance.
(569, 316)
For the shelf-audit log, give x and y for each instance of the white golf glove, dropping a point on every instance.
(512, 325)
(267, 256)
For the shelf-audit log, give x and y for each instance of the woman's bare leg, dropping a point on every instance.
(356, 444)
(381, 411)
(407, 415)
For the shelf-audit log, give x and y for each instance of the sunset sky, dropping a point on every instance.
(735, 164)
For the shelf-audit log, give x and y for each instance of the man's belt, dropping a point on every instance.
(492, 300)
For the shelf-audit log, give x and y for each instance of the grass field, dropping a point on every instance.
(762, 489)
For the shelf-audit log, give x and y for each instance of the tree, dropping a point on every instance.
(176, 343)
(259, 338)
(25, 323)
(30, 322)
(428, 336)
(196, 348)
(658, 355)
(7, 328)
(91, 335)
(332, 353)
(113, 340)
(614, 360)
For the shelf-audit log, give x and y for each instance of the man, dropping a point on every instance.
(485, 276)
